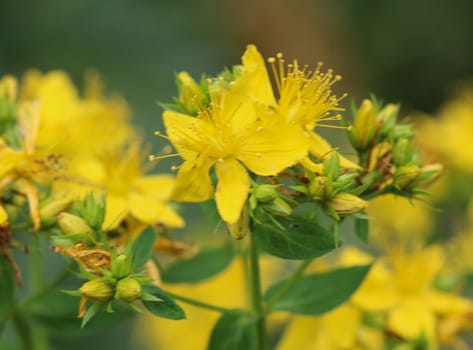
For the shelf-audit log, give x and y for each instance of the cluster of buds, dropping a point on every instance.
(386, 154)
(336, 190)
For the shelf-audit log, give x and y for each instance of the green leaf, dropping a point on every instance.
(294, 238)
(362, 227)
(7, 289)
(200, 267)
(318, 293)
(233, 331)
(166, 307)
(143, 247)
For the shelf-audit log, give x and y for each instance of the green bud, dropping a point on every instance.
(278, 207)
(190, 93)
(429, 174)
(54, 207)
(364, 125)
(319, 187)
(128, 289)
(265, 193)
(332, 166)
(345, 204)
(72, 224)
(402, 152)
(92, 209)
(97, 291)
(406, 176)
(121, 266)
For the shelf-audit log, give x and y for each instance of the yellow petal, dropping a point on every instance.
(350, 318)
(444, 303)
(270, 148)
(411, 319)
(3, 217)
(193, 183)
(32, 195)
(185, 133)
(151, 211)
(232, 189)
(157, 186)
(115, 211)
(320, 148)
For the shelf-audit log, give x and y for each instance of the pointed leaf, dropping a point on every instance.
(233, 331)
(318, 293)
(200, 267)
(295, 238)
(166, 307)
(143, 247)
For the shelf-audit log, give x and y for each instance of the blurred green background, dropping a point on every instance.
(414, 52)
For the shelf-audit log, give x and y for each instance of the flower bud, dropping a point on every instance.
(97, 291)
(318, 187)
(190, 93)
(128, 289)
(364, 125)
(406, 176)
(278, 207)
(121, 266)
(402, 152)
(429, 174)
(54, 207)
(265, 193)
(345, 203)
(72, 224)
(93, 209)
(332, 166)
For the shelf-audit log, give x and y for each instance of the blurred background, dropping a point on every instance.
(414, 52)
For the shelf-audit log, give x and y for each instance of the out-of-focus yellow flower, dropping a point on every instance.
(226, 289)
(452, 129)
(232, 136)
(76, 126)
(122, 176)
(405, 221)
(30, 163)
(399, 290)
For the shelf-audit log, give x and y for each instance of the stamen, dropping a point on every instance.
(153, 157)
(158, 133)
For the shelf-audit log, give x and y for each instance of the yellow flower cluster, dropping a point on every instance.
(52, 137)
(244, 129)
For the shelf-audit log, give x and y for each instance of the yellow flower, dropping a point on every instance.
(29, 164)
(305, 100)
(232, 136)
(121, 176)
(92, 116)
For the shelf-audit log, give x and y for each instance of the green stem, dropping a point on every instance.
(256, 296)
(198, 303)
(298, 273)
